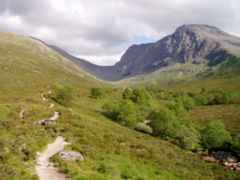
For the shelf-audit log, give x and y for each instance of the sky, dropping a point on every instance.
(100, 31)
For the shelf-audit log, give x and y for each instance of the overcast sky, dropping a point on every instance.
(101, 30)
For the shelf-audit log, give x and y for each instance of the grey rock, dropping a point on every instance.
(224, 156)
(71, 156)
(49, 122)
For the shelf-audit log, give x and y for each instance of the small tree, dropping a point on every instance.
(127, 93)
(62, 95)
(163, 123)
(97, 92)
(140, 96)
(123, 112)
(189, 138)
(215, 135)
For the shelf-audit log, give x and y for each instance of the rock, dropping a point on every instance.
(231, 160)
(71, 156)
(209, 159)
(224, 156)
(147, 122)
(49, 122)
(21, 114)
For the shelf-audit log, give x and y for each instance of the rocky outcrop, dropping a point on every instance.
(70, 156)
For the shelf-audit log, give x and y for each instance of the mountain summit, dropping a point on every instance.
(198, 44)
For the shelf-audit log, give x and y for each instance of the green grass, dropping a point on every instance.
(228, 114)
(111, 151)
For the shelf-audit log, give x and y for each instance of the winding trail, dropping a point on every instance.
(44, 167)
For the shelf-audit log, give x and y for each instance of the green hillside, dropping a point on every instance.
(187, 73)
(111, 151)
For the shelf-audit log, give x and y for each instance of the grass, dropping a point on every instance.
(228, 114)
(111, 151)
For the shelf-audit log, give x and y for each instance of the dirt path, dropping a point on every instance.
(44, 167)
(55, 116)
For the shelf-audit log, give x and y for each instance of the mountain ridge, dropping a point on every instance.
(200, 44)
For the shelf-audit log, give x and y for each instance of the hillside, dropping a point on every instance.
(111, 151)
(192, 50)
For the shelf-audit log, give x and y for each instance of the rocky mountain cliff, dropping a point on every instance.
(198, 44)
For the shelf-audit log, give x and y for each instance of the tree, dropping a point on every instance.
(189, 138)
(164, 123)
(215, 135)
(123, 112)
(62, 95)
(97, 93)
(127, 93)
(140, 96)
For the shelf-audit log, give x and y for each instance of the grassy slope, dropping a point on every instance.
(168, 75)
(228, 114)
(186, 73)
(110, 150)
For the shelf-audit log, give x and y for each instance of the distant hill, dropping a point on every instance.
(202, 46)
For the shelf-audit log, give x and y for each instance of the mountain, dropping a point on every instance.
(193, 44)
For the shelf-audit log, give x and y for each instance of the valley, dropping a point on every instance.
(100, 119)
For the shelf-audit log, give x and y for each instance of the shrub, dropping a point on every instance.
(215, 135)
(140, 96)
(97, 93)
(62, 95)
(186, 101)
(236, 145)
(123, 112)
(221, 98)
(189, 138)
(201, 99)
(142, 127)
(127, 93)
(163, 123)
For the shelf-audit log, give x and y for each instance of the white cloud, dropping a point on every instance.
(101, 30)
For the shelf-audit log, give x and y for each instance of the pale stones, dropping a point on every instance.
(71, 156)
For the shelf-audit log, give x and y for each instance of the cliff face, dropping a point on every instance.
(195, 43)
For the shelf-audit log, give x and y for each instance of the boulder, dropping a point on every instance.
(71, 156)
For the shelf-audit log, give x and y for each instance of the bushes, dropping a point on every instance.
(236, 145)
(215, 135)
(62, 95)
(142, 127)
(138, 96)
(174, 122)
(123, 112)
(164, 123)
(97, 93)
(127, 93)
(189, 138)
(222, 98)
